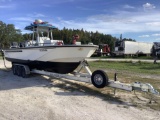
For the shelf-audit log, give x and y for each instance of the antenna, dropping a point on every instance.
(121, 37)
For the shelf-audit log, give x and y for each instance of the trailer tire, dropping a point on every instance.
(19, 70)
(99, 79)
(14, 69)
(24, 75)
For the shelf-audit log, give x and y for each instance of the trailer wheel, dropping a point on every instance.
(19, 72)
(24, 75)
(14, 69)
(99, 79)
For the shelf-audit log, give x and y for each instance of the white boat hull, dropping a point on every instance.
(50, 56)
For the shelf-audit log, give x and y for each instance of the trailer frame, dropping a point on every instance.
(98, 78)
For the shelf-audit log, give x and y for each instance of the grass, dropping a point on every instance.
(138, 67)
(126, 57)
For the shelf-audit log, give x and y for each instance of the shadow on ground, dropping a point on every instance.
(8, 81)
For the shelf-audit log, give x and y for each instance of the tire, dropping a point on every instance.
(99, 79)
(113, 55)
(14, 69)
(24, 75)
(19, 71)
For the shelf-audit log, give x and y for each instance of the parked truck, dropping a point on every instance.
(103, 50)
(132, 48)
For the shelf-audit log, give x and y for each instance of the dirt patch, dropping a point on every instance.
(44, 98)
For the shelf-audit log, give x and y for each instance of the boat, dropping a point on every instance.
(48, 54)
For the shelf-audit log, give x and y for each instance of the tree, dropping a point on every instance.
(8, 34)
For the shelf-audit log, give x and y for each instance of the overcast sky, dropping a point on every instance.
(136, 19)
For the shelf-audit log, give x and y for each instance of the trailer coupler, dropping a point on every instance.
(144, 87)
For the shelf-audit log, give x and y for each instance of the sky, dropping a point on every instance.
(135, 19)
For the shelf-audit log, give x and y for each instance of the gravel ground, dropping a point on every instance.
(43, 98)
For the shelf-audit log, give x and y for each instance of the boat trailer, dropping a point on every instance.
(98, 78)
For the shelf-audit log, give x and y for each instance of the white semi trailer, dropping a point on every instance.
(132, 48)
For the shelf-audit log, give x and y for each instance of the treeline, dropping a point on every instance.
(9, 34)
